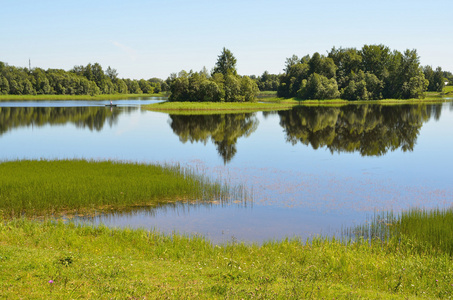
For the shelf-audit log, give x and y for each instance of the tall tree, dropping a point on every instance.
(226, 63)
(111, 73)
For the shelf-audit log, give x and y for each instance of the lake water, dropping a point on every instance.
(311, 170)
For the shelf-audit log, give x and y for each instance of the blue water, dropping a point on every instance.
(297, 190)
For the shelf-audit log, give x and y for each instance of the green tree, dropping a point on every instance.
(438, 79)
(226, 63)
(376, 60)
(249, 89)
(290, 62)
(179, 89)
(120, 86)
(145, 86)
(319, 87)
(111, 73)
(210, 92)
(4, 85)
(232, 89)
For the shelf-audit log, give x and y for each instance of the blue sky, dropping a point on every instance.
(144, 39)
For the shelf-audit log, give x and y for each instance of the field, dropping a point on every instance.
(394, 257)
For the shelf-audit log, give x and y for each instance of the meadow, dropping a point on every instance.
(406, 256)
(54, 260)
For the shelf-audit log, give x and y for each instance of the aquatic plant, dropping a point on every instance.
(53, 187)
(425, 231)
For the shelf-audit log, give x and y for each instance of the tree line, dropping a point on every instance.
(81, 80)
(371, 73)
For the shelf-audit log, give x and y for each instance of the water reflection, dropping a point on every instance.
(223, 130)
(371, 130)
(92, 118)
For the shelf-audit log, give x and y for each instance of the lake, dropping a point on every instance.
(311, 170)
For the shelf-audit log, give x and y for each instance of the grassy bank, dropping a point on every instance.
(52, 260)
(272, 103)
(430, 98)
(76, 97)
(210, 107)
(448, 90)
(39, 188)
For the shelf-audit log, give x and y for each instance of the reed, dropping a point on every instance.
(54, 187)
(425, 231)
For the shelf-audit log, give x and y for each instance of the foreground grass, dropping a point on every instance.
(76, 97)
(210, 107)
(48, 187)
(52, 260)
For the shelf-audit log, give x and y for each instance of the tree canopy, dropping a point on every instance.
(81, 80)
(226, 63)
(223, 85)
(373, 72)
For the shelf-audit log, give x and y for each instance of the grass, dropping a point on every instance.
(36, 188)
(429, 231)
(430, 98)
(448, 90)
(54, 260)
(210, 107)
(76, 97)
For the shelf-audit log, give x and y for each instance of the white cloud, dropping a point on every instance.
(128, 50)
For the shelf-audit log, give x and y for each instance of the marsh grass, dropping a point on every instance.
(428, 231)
(36, 188)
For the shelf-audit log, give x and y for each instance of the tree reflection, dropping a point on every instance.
(371, 130)
(92, 118)
(223, 130)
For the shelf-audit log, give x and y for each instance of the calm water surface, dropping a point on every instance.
(312, 170)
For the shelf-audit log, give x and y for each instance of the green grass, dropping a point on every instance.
(448, 90)
(429, 231)
(76, 97)
(53, 260)
(434, 98)
(215, 107)
(38, 188)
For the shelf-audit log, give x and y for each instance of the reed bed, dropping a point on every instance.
(45, 187)
(427, 231)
